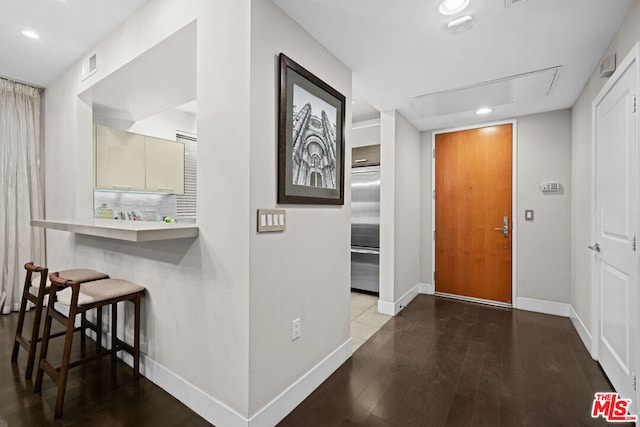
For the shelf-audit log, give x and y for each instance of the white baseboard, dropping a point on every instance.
(220, 414)
(386, 307)
(582, 330)
(195, 398)
(393, 308)
(543, 306)
(427, 288)
(279, 407)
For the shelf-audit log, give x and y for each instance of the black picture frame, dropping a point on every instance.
(310, 138)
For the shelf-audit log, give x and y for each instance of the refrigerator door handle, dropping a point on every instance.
(365, 251)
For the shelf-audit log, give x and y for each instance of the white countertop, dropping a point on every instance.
(133, 231)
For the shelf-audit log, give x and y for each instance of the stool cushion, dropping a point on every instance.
(81, 275)
(100, 290)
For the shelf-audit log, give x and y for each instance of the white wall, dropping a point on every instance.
(543, 246)
(303, 272)
(400, 185)
(581, 233)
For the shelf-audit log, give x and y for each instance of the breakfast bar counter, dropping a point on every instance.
(132, 231)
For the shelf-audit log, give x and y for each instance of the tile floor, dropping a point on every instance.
(365, 319)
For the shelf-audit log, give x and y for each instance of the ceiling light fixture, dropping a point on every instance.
(30, 34)
(483, 110)
(451, 7)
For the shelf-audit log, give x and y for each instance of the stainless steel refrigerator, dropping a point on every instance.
(365, 229)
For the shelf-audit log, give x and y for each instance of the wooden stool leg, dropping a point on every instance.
(35, 332)
(114, 332)
(23, 309)
(99, 329)
(44, 347)
(136, 339)
(66, 357)
(83, 328)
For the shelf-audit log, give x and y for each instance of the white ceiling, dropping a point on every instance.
(68, 29)
(400, 51)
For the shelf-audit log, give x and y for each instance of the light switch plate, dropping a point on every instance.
(528, 215)
(270, 220)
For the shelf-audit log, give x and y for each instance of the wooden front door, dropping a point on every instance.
(473, 202)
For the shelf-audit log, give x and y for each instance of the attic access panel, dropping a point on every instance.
(508, 90)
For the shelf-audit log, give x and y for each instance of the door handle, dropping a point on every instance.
(505, 227)
(595, 247)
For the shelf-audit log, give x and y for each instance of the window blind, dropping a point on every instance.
(186, 204)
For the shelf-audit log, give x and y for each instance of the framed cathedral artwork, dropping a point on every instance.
(310, 138)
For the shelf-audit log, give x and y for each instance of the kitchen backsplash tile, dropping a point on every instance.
(152, 207)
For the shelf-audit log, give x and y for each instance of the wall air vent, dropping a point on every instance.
(90, 65)
(509, 3)
(608, 65)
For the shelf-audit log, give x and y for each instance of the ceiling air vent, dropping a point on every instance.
(509, 3)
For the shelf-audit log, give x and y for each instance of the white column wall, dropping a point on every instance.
(387, 205)
(303, 272)
(196, 309)
(407, 207)
(400, 176)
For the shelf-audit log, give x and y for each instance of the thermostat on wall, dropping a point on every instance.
(550, 187)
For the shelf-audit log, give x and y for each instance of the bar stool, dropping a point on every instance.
(80, 298)
(41, 286)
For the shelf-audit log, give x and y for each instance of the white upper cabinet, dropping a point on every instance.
(131, 162)
(119, 160)
(164, 166)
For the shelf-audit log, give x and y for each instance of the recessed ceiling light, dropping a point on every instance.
(354, 101)
(451, 7)
(31, 34)
(484, 110)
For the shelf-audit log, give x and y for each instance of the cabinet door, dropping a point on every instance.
(368, 155)
(119, 160)
(165, 166)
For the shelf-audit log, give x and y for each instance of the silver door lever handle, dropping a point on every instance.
(505, 227)
(595, 247)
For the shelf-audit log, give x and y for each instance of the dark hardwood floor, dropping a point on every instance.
(442, 362)
(96, 395)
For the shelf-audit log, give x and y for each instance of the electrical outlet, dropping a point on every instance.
(295, 329)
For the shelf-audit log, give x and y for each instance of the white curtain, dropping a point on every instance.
(20, 188)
